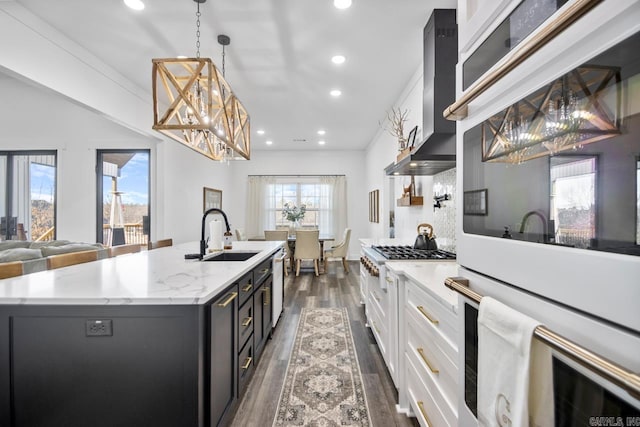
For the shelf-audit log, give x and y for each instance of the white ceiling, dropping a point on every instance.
(278, 62)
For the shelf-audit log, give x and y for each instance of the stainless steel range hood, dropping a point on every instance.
(437, 151)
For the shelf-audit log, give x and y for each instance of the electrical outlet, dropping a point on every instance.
(99, 328)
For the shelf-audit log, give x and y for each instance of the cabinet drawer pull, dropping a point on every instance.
(375, 327)
(426, 362)
(226, 302)
(425, 314)
(247, 363)
(423, 412)
(389, 280)
(267, 298)
(264, 271)
(247, 288)
(375, 295)
(247, 321)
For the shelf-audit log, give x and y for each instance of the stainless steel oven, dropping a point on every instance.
(548, 159)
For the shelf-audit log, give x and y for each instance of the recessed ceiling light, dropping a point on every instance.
(336, 93)
(321, 142)
(269, 142)
(260, 132)
(342, 4)
(396, 173)
(136, 4)
(181, 56)
(321, 132)
(338, 59)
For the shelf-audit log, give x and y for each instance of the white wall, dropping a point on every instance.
(383, 151)
(320, 162)
(178, 174)
(38, 119)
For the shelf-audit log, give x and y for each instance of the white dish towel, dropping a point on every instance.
(515, 377)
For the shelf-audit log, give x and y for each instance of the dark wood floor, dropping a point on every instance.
(333, 289)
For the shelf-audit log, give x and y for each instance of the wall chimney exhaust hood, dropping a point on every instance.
(437, 151)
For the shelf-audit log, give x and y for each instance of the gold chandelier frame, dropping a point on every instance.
(194, 105)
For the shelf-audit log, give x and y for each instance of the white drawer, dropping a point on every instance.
(379, 296)
(435, 363)
(426, 402)
(379, 329)
(432, 313)
(381, 300)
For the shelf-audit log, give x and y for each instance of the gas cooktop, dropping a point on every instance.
(409, 253)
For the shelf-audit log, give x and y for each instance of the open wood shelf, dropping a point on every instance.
(410, 201)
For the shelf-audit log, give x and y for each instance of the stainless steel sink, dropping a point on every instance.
(231, 256)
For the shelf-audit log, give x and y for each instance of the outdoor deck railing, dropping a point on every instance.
(133, 233)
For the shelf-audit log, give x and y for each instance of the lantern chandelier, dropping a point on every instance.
(578, 108)
(194, 105)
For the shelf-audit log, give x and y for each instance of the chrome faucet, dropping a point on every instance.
(545, 224)
(203, 243)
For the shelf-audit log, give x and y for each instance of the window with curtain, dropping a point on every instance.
(323, 196)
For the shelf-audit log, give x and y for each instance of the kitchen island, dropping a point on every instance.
(141, 339)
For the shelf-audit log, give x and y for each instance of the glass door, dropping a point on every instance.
(123, 197)
(28, 182)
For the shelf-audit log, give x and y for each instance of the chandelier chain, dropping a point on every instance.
(198, 32)
(223, 62)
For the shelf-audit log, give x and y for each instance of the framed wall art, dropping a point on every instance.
(374, 206)
(211, 198)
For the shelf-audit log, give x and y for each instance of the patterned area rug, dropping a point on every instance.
(323, 384)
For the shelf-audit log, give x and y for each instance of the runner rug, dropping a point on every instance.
(323, 384)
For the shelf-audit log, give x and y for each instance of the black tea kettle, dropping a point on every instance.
(425, 239)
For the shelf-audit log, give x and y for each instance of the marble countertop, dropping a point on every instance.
(160, 276)
(430, 276)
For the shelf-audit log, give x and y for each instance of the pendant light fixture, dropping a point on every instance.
(194, 105)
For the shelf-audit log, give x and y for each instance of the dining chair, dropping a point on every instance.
(307, 248)
(10, 269)
(124, 249)
(341, 250)
(281, 236)
(160, 244)
(71, 258)
(240, 235)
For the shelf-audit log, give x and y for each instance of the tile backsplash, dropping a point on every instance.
(444, 218)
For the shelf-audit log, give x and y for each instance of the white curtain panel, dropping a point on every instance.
(337, 198)
(259, 201)
(263, 198)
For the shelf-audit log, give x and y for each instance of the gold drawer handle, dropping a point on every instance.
(375, 295)
(247, 363)
(431, 368)
(247, 321)
(425, 314)
(267, 299)
(247, 288)
(226, 302)
(423, 412)
(375, 327)
(389, 280)
(265, 271)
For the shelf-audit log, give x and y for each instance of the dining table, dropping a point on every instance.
(292, 242)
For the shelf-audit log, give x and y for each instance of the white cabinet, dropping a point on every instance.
(382, 315)
(427, 364)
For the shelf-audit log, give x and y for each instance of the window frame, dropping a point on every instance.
(9, 182)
